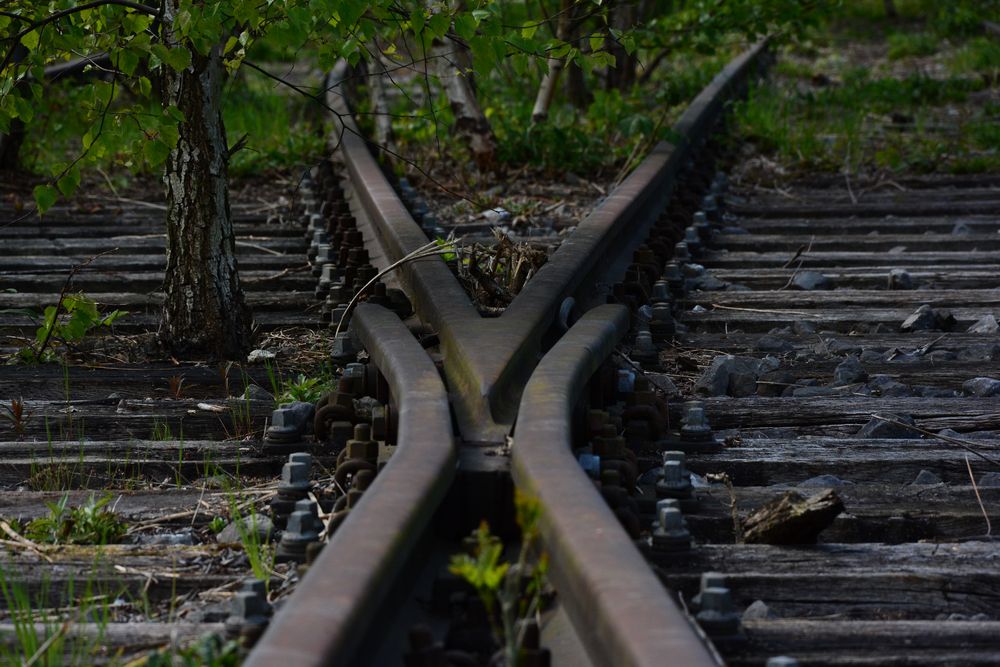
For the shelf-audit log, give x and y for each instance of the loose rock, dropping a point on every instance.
(926, 318)
(758, 611)
(811, 280)
(880, 429)
(729, 375)
(989, 480)
(982, 386)
(768, 344)
(985, 325)
(849, 371)
(824, 482)
(233, 533)
(803, 328)
(926, 477)
(884, 385)
(900, 279)
(792, 519)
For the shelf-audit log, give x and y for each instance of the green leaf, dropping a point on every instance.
(179, 58)
(465, 26)
(45, 197)
(127, 61)
(438, 25)
(31, 40)
(155, 151)
(417, 19)
(145, 87)
(69, 182)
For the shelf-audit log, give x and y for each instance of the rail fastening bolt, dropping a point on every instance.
(718, 616)
(782, 661)
(661, 325)
(694, 425)
(303, 528)
(675, 481)
(681, 253)
(250, 611)
(671, 534)
(708, 580)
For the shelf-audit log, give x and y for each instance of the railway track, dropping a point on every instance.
(803, 390)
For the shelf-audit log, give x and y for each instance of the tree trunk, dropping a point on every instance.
(624, 15)
(451, 61)
(10, 146)
(547, 88)
(384, 136)
(204, 311)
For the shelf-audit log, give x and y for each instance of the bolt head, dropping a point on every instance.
(294, 472)
(301, 457)
(665, 503)
(671, 519)
(782, 661)
(712, 580)
(673, 473)
(717, 599)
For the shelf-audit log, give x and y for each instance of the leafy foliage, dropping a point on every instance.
(209, 651)
(509, 592)
(303, 388)
(89, 523)
(70, 320)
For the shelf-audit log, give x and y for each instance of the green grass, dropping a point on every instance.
(908, 44)
(89, 523)
(862, 120)
(282, 126)
(980, 55)
(41, 635)
(588, 142)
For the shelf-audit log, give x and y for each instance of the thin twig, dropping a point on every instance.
(967, 446)
(429, 250)
(802, 258)
(760, 310)
(968, 466)
(62, 295)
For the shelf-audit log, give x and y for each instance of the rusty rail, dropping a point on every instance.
(341, 593)
(487, 361)
(618, 607)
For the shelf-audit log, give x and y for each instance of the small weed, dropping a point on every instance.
(70, 320)
(16, 415)
(216, 524)
(259, 552)
(161, 431)
(209, 651)
(175, 384)
(909, 44)
(509, 592)
(89, 523)
(43, 638)
(242, 418)
(306, 389)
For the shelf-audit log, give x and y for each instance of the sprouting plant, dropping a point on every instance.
(258, 551)
(216, 524)
(509, 592)
(69, 320)
(306, 389)
(274, 378)
(175, 384)
(89, 523)
(161, 431)
(42, 637)
(16, 415)
(208, 651)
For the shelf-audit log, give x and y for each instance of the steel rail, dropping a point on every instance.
(620, 610)
(488, 360)
(340, 594)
